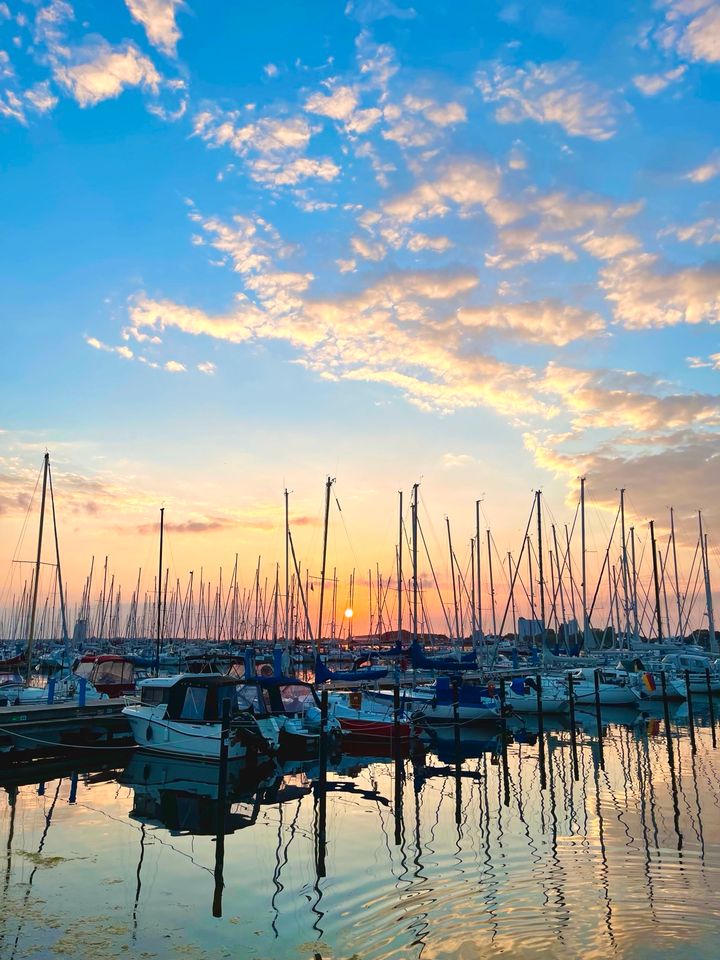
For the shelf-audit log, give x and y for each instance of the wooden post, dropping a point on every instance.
(541, 732)
(598, 719)
(573, 730)
(688, 694)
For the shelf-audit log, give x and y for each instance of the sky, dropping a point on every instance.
(247, 246)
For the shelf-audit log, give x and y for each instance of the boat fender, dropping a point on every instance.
(491, 688)
(149, 734)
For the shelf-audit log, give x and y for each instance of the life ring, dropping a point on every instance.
(265, 670)
(491, 689)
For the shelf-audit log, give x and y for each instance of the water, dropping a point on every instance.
(622, 862)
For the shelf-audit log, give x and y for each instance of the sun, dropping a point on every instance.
(349, 613)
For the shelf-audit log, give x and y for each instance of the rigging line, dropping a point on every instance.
(21, 535)
(437, 586)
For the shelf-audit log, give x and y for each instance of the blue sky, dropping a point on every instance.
(246, 244)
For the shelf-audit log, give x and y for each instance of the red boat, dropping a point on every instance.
(110, 674)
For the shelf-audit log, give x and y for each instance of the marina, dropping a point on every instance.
(456, 847)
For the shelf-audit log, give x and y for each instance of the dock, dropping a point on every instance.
(61, 729)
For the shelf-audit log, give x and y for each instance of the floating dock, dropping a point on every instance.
(61, 729)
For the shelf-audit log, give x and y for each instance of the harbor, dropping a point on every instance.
(457, 846)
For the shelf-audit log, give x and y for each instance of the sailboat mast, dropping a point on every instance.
(287, 565)
(63, 617)
(158, 634)
(540, 567)
(712, 642)
(583, 561)
(624, 567)
(675, 569)
(400, 571)
(328, 485)
(492, 584)
(656, 580)
(477, 564)
(414, 510)
(36, 581)
(452, 574)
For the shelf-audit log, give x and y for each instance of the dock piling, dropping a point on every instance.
(688, 694)
(573, 728)
(711, 707)
(598, 720)
(541, 732)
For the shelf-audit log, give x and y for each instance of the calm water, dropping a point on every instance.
(462, 862)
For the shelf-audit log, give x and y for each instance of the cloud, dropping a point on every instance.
(365, 11)
(270, 70)
(209, 525)
(421, 241)
(617, 400)
(268, 136)
(173, 366)
(550, 93)
(543, 321)
(676, 468)
(608, 246)
(650, 84)
(647, 293)
(700, 233)
(366, 250)
(691, 29)
(207, 367)
(40, 97)
(122, 351)
(339, 104)
(464, 184)
(158, 19)
(706, 171)
(452, 460)
(278, 173)
(98, 71)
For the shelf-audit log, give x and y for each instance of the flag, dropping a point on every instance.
(649, 682)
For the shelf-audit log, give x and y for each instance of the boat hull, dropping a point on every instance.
(180, 739)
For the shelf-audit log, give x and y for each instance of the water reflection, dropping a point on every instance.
(532, 841)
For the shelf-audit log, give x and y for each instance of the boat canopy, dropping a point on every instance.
(197, 697)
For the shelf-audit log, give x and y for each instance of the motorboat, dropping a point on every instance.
(182, 715)
(702, 671)
(288, 710)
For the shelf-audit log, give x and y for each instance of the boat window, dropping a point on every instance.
(194, 703)
(154, 695)
(248, 697)
(296, 698)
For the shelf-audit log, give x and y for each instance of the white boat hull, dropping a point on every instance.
(183, 738)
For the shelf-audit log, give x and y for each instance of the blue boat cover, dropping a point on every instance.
(322, 673)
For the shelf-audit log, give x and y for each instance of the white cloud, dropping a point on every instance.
(465, 184)
(270, 70)
(97, 71)
(608, 246)
(339, 104)
(691, 29)
(544, 321)
(278, 173)
(647, 293)
(451, 460)
(346, 266)
(173, 366)
(207, 367)
(122, 351)
(706, 171)
(699, 233)
(651, 84)
(41, 97)
(367, 250)
(268, 136)
(550, 93)
(421, 241)
(158, 19)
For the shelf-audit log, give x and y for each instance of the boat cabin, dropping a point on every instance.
(265, 696)
(195, 698)
(113, 675)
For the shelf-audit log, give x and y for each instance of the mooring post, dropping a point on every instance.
(458, 761)
(322, 789)
(72, 798)
(397, 807)
(503, 733)
(688, 694)
(573, 730)
(711, 707)
(82, 691)
(222, 794)
(666, 714)
(598, 720)
(541, 732)
(51, 690)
